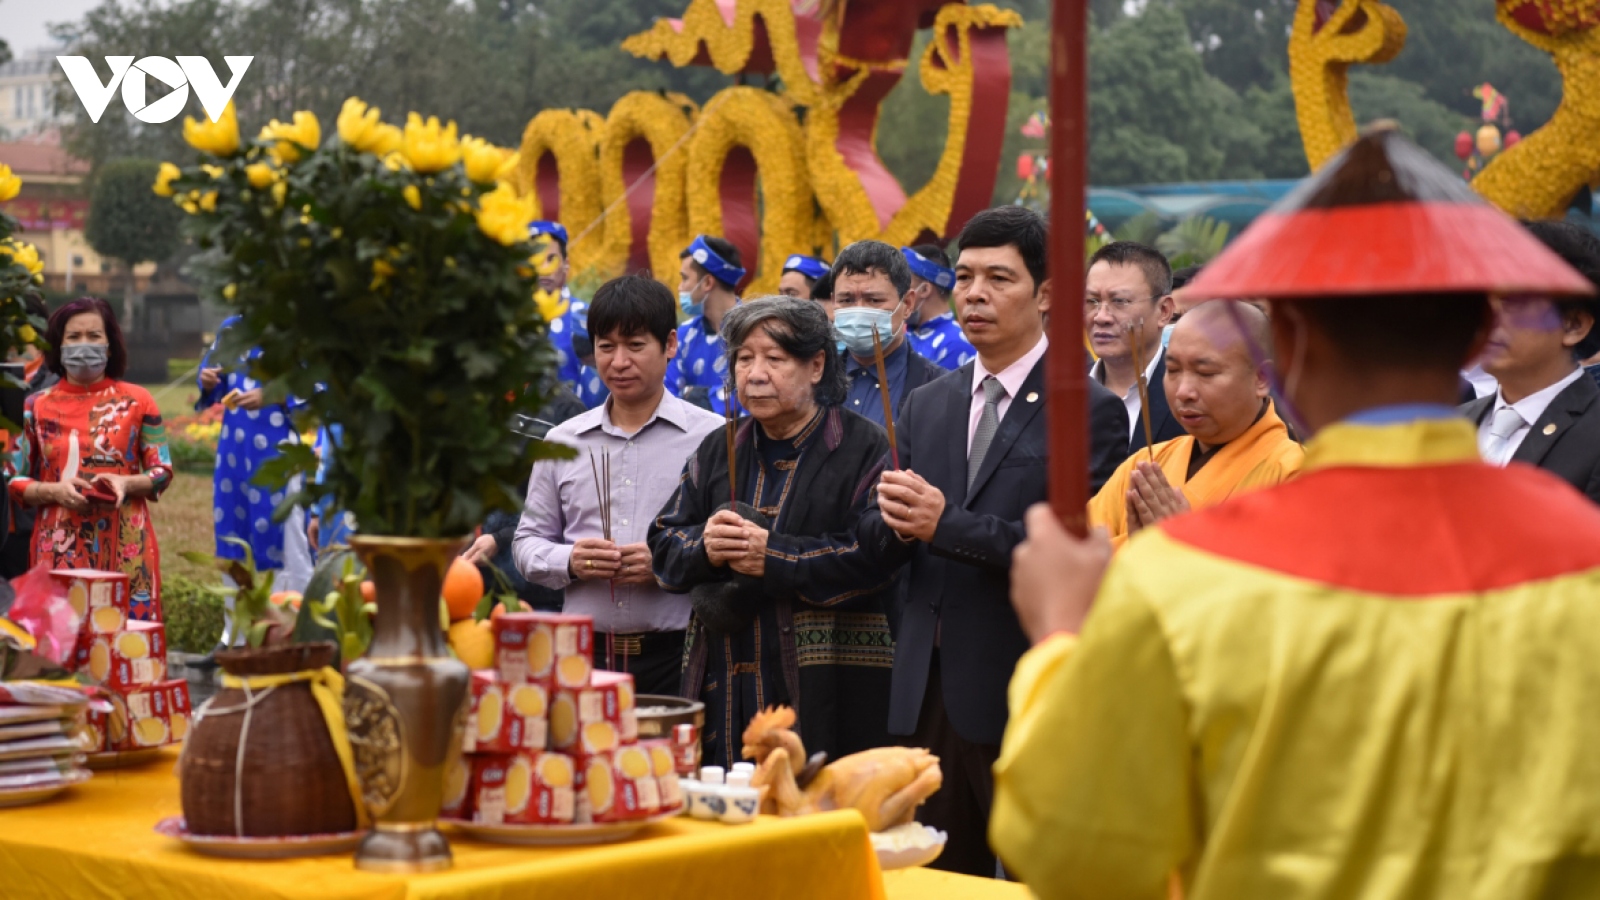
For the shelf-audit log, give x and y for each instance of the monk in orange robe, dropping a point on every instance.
(1235, 441)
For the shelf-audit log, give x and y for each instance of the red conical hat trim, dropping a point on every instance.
(1383, 217)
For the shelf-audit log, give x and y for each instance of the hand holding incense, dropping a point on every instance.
(732, 429)
(888, 408)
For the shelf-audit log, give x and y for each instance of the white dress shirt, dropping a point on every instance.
(1530, 408)
(1131, 400)
(563, 505)
(1011, 378)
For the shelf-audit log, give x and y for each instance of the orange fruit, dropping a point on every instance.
(290, 599)
(463, 588)
(473, 643)
(369, 592)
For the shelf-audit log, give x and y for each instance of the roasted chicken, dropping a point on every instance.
(886, 785)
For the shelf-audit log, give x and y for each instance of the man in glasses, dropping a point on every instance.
(1127, 302)
(1546, 410)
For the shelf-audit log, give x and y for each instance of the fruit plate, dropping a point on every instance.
(558, 835)
(120, 759)
(259, 847)
(890, 858)
(30, 795)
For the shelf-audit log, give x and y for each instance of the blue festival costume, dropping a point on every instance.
(250, 437)
(939, 339)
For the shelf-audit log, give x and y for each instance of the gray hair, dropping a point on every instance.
(800, 327)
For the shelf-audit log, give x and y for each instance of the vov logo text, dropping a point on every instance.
(180, 76)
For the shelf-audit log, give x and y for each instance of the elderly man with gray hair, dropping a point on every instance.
(789, 606)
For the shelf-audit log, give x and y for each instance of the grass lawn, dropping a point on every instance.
(183, 515)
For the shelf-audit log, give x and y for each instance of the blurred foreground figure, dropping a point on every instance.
(1373, 681)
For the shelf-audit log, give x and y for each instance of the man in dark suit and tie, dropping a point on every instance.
(973, 451)
(1546, 412)
(1127, 302)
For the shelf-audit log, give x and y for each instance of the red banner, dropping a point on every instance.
(41, 214)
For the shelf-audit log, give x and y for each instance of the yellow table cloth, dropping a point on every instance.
(96, 840)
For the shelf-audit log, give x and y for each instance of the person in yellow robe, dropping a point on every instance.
(1377, 680)
(1222, 398)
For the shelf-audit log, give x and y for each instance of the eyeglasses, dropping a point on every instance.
(1119, 304)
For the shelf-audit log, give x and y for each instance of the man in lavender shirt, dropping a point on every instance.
(648, 433)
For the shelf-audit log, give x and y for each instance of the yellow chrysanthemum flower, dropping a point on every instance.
(504, 216)
(508, 166)
(428, 146)
(279, 189)
(386, 139)
(302, 134)
(481, 159)
(413, 197)
(260, 174)
(10, 184)
(208, 201)
(165, 176)
(219, 138)
(360, 127)
(23, 254)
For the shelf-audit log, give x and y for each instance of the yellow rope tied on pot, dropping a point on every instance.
(327, 688)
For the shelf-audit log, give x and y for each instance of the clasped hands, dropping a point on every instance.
(597, 559)
(1151, 497)
(736, 542)
(69, 493)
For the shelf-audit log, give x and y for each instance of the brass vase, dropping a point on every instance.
(405, 705)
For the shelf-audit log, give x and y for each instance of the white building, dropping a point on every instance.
(28, 85)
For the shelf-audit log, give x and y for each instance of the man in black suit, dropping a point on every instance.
(973, 450)
(872, 291)
(1546, 412)
(1127, 296)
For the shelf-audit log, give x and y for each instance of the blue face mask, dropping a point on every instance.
(689, 307)
(855, 325)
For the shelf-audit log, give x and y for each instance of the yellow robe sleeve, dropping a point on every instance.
(1108, 508)
(1094, 791)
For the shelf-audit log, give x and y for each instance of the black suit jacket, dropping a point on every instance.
(1566, 439)
(1163, 425)
(964, 576)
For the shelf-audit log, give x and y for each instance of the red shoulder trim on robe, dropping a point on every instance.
(1411, 531)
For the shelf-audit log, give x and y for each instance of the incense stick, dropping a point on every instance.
(888, 407)
(1137, 332)
(732, 429)
(602, 488)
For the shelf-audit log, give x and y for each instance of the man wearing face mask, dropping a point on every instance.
(932, 326)
(708, 279)
(872, 293)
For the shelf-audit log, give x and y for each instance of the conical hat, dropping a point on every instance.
(1384, 217)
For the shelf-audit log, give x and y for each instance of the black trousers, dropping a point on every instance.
(654, 658)
(961, 807)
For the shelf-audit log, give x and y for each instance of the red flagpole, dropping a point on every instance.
(1068, 395)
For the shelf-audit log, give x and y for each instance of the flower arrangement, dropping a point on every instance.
(765, 124)
(21, 271)
(193, 439)
(384, 274)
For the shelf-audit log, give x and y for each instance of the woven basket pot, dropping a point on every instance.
(287, 780)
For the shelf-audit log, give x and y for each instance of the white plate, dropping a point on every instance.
(118, 759)
(558, 835)
(259, 847)
(31, 795)
(913, 856)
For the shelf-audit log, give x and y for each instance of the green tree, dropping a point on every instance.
(127, 221)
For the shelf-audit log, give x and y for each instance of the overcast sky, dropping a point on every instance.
(22, 22)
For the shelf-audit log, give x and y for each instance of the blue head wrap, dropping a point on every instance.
(542, 228)
(928, 270)
(707, 258)
(809, 266)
